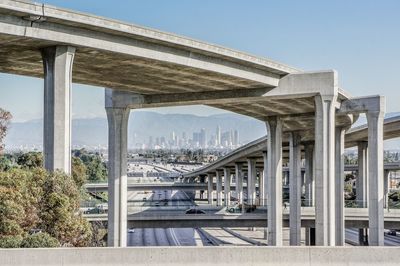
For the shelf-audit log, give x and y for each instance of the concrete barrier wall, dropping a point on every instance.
(232, 256)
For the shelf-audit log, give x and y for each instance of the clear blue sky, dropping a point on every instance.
(358, 38)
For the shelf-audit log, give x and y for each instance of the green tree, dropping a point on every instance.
(5, 118)
(39, 240)
(30, 160)
(96, 169)
(10, 241)
(78, 171)
(35, 199)
(60, 202)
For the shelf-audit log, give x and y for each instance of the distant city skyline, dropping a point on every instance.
(200, 140)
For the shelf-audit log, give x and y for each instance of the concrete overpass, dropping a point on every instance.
(159, 218)
(148, 68)
(254, 149)
(166, 185)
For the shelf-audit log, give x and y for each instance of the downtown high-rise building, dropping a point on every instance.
(218, 136)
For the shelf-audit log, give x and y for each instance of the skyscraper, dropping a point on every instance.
(203, 138)
(218, 136)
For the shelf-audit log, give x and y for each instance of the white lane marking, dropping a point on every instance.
(174, 237)
(197, 238)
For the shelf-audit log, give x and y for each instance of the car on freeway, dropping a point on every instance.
(194, 211)
(237, 208)
(131, 230)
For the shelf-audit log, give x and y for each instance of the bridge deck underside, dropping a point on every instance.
(21, 55)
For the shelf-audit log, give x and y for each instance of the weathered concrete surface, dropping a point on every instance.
(117, 177)
(274, 177)
(201, 256)
(57, 64)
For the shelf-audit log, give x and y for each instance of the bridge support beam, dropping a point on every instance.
(251, 181)
(325, 170)
(264, 186)
(57, 64)
(339, 186)
(227, 186)
(386, 188)
(375, 172)
(309, 172)
(362, 185)
(374, 107)
(274, 168)
(219, 188)
(239, 182)
(295, 188)
(117, 176)
(362, 175)
(210, 188)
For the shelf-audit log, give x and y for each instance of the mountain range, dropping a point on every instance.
(142, 125)
(93, 132)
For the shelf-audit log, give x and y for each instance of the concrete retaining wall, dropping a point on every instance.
(203, 256)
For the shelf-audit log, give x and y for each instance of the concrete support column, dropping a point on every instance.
(117, 177)
(339, 186)
(219, 188)
(325, 170)
(239, 182)
(263, 196)
(274, 187)
(251, 181)
(227, 186)
(295, 188)
(386, 187)
(210, 189)
(57, 64)
(362, 185)
(362, 175)
(309, 172)
(285, 178)
(375, 174)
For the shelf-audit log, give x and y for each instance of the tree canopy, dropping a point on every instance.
(36, 200)
(5, 118)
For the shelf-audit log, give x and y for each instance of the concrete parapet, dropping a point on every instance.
(251, 256)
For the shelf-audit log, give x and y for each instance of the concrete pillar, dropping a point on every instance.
(386, 187)
(309, 172)
(202, 181)
(362, 175)
(295, 188)
(362, 184)
(210, 189)
(117, 178)
(286, 178)
(219, 188)
(57, 64)
(325, 170)
(339, 186)
(263, 195)
(227, 186)
(274, 187)
(239, 182)
(251, 181)
(375, 174)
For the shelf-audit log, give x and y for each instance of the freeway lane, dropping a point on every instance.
(351, 235)
(164, 236)
(164, 200)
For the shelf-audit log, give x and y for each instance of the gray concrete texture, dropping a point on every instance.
(201, 256)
